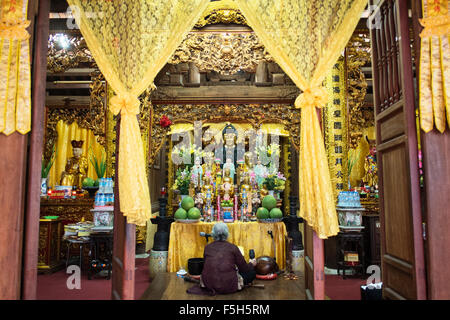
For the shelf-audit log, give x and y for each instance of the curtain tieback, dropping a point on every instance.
(126, 104)
(435, 26)
(312, 97)
(14, 31)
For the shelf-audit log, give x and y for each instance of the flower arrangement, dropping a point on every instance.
(275, 181)
(182, 181)
(192, 152)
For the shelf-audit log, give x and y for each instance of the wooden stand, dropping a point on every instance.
(49, 259)
(350, 241)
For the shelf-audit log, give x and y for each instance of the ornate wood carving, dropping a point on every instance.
(225, 12)
(360, 116)
(225, 54)
(59, 58)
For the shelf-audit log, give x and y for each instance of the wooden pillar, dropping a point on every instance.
(123, 264)
(31, 226)
(12, 201)
(436, 166)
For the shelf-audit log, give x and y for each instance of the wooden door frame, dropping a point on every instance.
(409, 134)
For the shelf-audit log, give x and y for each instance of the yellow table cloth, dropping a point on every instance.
(185, 241)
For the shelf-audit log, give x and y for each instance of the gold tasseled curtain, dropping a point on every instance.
(434, 74)
(15, 93)
(131, 41)
(67, 133)
(306, 38)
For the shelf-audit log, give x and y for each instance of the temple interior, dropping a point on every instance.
(222, 140)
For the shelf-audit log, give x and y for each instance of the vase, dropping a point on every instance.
(272, 193)
(44, 186)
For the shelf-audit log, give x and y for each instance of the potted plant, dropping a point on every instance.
(45, 169)
(89, 184)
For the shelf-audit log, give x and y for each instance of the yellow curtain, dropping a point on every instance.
(306, 38)
(67, 133)
(434, 74)
(15, 94)
(131, 41)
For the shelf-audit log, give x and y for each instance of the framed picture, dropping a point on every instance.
(157, 162)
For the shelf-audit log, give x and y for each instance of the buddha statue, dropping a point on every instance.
(208, 198)
(248, 166)
(209, 167)
(227, 187)
(263, 191)
(245, 196)
(197, 173)
(371, 171)
(229, 165)
(76, 167)
(260, 172)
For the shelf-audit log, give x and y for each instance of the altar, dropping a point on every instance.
(185, 241)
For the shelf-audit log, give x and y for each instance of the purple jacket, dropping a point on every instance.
(219, 270)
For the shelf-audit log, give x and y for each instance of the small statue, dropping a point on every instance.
(260, 172)
(208, 199)
(227, 187)
(263, 191)
(248, 162)
(371, 171)
(197, 173)
(246, 197)
(240, 171)
(229, 166)
(208, 166)
(76, 167)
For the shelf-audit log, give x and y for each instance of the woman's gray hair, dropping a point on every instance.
(220, 231)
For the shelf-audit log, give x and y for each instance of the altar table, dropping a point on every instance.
(185, 241)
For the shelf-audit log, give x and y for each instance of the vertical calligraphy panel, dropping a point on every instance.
(335, 127)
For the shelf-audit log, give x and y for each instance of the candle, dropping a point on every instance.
(235, 207)
(218, 208)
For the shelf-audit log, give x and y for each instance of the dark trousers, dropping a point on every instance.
(248, 276)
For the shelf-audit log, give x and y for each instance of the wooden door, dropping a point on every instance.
(124, 248)
(402, 255)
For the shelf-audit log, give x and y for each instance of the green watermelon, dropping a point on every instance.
(269, 202)
(276, 213)
(88, 182)
(262, 213)
(181, 214)
(194, 213)
(187, 203)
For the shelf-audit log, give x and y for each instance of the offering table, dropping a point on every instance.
(185, 241)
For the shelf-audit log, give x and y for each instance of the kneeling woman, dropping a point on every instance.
(225, 269)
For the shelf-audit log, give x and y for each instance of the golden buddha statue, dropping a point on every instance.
(245, 195)
(248, 165)
(371, 171)
(227, 187)
(209, 166)
(76, 167)
(208, 198)
(263, 192)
